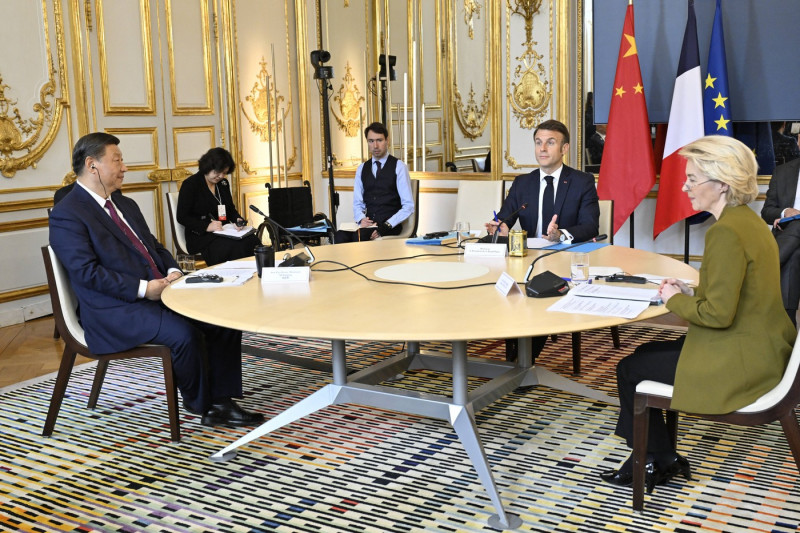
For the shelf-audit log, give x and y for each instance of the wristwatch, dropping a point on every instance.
(562, 238)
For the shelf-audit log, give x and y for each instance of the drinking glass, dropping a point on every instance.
(186, 262)
(579, 267)
(462, 231)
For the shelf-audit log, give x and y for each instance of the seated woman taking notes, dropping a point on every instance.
(739, 338)
(205, 204)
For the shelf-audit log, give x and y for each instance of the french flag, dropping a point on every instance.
(685, 125)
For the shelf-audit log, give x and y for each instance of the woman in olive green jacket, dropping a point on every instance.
(739, 338)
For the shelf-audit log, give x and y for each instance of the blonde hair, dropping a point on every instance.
(728, 161)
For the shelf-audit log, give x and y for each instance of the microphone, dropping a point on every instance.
(505, 221)
(547, 284)
(300, 259)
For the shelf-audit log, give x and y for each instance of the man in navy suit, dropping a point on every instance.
(573, 213)
(781, 202)
(118, 271)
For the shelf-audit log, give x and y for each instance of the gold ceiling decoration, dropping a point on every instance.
(264, 98)
(472, 118)
(350, 99)
(529, 93)
(471, 9)
(21, 134)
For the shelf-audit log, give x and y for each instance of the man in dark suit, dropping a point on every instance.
(573, 213)
(562, 204)
(118, 271)
(782, 202)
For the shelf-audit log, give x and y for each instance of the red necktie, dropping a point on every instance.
(134, 239)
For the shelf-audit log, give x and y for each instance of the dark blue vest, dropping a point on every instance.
(380, 195)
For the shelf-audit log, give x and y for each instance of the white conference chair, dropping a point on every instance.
(178, 230)
(65, 313)
(779, 404)
(410, 224)
(476, 201)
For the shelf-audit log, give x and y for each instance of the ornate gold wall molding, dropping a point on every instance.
(472, 10)
(348, 117)
(264, 98)
(529, 94)
(33, 135)
(471, 117)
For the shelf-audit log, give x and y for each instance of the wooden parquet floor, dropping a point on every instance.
(29, 350)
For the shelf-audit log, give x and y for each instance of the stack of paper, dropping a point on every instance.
(606, 300)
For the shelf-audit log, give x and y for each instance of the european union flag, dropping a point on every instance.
(716, 105)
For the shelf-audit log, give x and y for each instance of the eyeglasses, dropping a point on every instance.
(689, 186)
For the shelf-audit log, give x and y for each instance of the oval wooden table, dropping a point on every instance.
(340, 305)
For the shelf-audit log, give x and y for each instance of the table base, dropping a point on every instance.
(459, 411)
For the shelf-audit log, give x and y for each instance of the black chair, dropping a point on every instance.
(291, 207)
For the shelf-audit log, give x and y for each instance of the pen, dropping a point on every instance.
(495, 216)
(210, 216)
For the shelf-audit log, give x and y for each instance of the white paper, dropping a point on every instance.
(599, 306)
(232, 230)
(507, 285)
(243, 264)
(485, 249)
(227, 281)
(285, 274)
(599, 290)
(535, 243)
(655, 278)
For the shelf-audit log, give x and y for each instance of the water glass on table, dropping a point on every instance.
(462, 231)
(186, 263)
(579, 267)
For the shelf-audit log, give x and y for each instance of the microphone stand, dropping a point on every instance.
(300, 259)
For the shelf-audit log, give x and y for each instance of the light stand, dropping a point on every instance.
(324, 73)
(387, 66)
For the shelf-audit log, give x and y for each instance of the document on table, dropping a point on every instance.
(604, 300)
(245, 264)
(230, 278)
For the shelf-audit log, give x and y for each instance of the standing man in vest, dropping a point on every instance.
(382, 198)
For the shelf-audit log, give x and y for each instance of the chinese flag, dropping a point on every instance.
(627, 170)
(685, 125)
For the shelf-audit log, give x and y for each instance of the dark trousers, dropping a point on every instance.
(789, 252)
(206, 359)
(654, 361)
(537, 343)
(221, 249)
(363, 234)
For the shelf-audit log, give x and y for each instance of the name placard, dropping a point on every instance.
(285, 274)
(485, 249)
(506, 285)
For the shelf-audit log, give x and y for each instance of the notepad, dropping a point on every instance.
(232, 231)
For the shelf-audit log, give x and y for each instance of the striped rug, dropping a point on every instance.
(352, 468)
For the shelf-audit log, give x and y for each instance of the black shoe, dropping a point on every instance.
(678, 466)
(652, 476)
(193, 411)
(228, 413)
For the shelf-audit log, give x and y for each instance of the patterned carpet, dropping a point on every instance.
(352, 468)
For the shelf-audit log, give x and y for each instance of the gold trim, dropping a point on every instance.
(20, 225)
(149, 107)
(79, 75)
(189, 129)
(349, 98)
(153, 143)
(165, 175)
(565, 96)
(21, 294)
(303, 65)
(177, 109)
(25, 205)
(48, 109)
